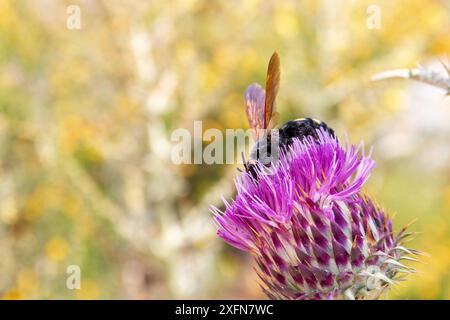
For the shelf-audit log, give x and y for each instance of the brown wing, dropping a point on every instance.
(272, 85)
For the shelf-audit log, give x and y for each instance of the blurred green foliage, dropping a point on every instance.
(86, 117)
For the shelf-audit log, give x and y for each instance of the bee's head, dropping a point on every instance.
(264, 148)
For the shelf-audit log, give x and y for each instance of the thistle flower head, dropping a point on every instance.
(313, 232)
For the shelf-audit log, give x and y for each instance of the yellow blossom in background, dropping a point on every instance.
(27, 282)
(86, 117)
(88, 291)
(56, 249)
(9, 211)
(13, 294)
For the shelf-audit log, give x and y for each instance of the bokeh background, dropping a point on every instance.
(86, 115)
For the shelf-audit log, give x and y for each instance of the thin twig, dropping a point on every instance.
(422, 74)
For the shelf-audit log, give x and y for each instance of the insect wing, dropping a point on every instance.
(272, 85)
(255, 102)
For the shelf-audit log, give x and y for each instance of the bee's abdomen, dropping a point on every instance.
(301, 129)
(295, 129)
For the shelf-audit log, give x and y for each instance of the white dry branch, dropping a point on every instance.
(426, 75)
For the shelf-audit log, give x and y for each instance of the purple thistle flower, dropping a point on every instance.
(313, 232)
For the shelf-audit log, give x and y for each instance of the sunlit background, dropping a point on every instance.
(86, 116)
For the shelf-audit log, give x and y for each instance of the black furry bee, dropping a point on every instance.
(301, 128)
(262, 115)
